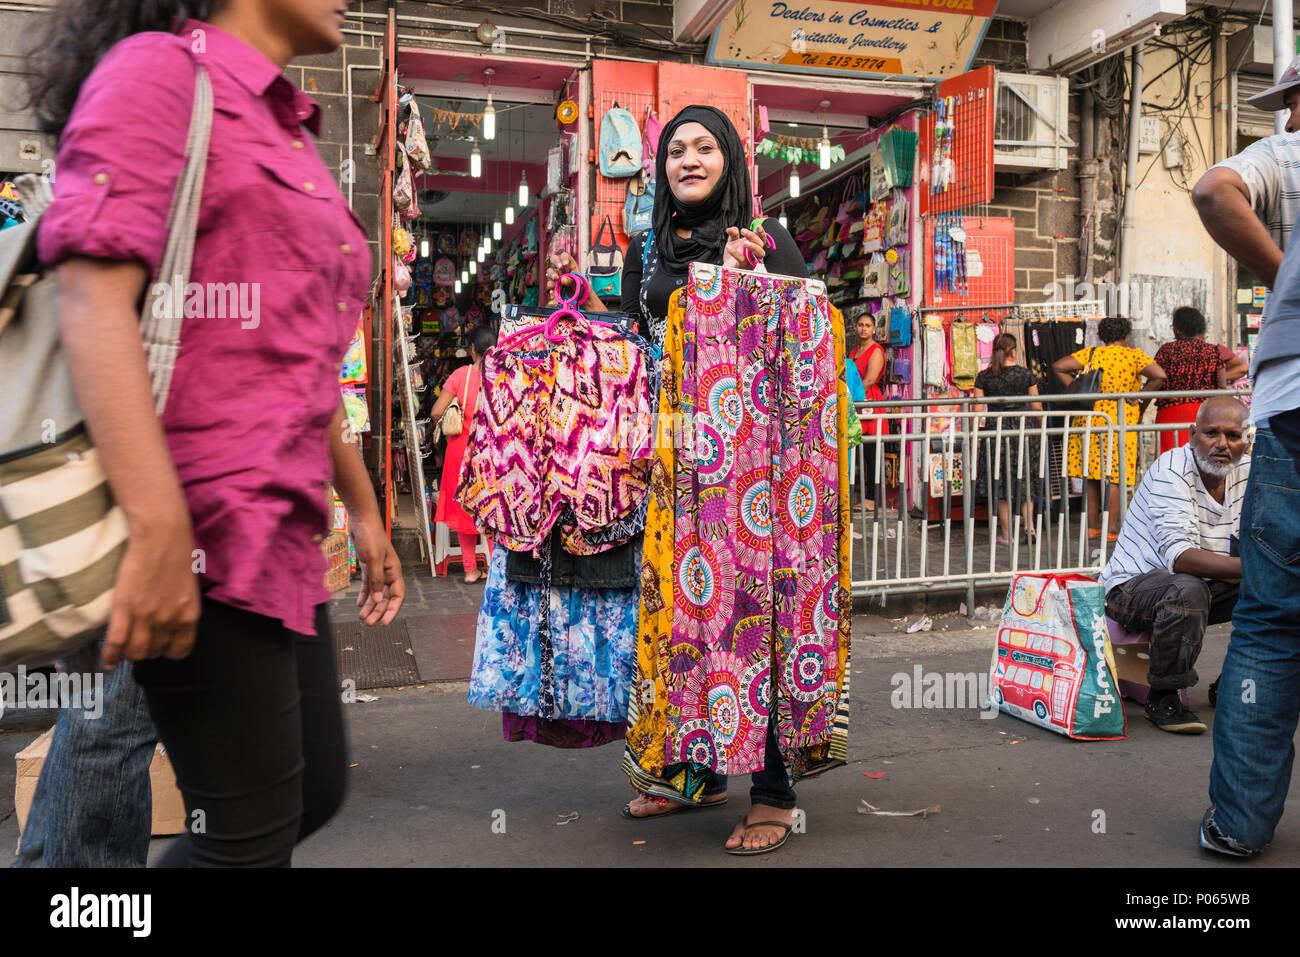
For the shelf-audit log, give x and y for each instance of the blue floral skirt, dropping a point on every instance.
(593, 631)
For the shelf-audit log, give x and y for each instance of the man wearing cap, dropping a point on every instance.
(1248, 204)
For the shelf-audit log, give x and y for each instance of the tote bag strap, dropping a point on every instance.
(465, 392)
(160, 329)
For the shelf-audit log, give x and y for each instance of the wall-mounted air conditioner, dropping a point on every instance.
(1031, 122)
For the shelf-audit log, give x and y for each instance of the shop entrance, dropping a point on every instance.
(493, 191)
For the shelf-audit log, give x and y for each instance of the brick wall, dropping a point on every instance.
(1045, 204)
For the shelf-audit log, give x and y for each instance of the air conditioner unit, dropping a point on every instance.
(1030, 122)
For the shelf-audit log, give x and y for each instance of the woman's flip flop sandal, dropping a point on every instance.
(744, 851)
(626, 810)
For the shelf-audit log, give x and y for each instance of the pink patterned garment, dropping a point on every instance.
(755, 533)
(566, 439)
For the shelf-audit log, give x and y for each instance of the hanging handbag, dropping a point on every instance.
(605, 262)
(416, 145)
(935, 370)
(403, 188)
(852, 186)
(65, 534)
(653, 130)
(965, 359)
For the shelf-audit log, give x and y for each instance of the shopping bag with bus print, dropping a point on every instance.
(1053, 665)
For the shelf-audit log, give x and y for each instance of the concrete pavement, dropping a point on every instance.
(435, 784)
(433, 777)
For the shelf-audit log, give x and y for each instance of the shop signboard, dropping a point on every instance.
(911, 39)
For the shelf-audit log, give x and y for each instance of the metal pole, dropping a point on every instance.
(1283, 51)
(1130, 176)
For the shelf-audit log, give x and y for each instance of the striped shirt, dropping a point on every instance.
(1271, 170)
(1172, 512)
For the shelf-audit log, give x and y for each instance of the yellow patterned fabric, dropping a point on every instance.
(648, 707)
(647, 718)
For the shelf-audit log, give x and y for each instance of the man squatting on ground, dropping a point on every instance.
(1175, 568)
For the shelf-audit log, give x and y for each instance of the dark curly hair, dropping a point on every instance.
(1113, 329)
(1188, 322)
(76, 34)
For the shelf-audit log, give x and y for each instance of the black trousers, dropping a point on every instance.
(252, 721)
(1176, 609)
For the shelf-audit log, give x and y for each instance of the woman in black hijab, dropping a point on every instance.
(702, 213)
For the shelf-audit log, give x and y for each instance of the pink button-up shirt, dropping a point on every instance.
(256, 381)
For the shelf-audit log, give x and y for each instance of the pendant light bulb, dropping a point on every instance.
(464, 274)
(489, 120)
(458, 286)
(424, 247)
(781, 219)
(510, 215)
(523, 190)
(475, 162)
(824, 150)
(496, 229)
(794, 182)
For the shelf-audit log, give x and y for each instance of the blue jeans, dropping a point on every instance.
(770, 786)
(1259, 689)
(93, 806)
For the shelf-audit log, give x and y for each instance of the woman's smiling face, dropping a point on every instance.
(694, 163)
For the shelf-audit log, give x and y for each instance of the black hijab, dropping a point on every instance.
(731, 203)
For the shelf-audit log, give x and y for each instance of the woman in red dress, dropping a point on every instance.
(463, 384)
(1191, 364)
(869, 357)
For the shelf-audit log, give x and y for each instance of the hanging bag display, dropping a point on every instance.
(852, 186)
(403, 187)
(935, 372)
(620, 144)
(965, 358)
(875, 278)
(65, 534)
(605, 262)
(639, 207)
(653, 130)
(1053, 664)
(417, 147)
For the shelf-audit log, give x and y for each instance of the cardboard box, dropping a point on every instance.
(168, 808)
(1131, 664)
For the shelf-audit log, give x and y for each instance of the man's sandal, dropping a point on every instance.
(743, 851)
(680, 806)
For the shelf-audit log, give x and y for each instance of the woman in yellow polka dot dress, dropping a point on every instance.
(1122, 370)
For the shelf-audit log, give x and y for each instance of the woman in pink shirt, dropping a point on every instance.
(220, 598)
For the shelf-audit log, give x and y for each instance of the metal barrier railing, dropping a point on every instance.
(948, 445)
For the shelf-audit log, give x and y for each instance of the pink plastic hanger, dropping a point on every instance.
(548, 328)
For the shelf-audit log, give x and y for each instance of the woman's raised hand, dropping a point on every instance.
(745, 248)
(557, 265)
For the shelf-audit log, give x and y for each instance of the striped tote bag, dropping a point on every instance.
(62, 537)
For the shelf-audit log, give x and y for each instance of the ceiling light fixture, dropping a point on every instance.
(824, 147)
(781, 219)
(489, 111)
(794, 182)
(475, 162)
